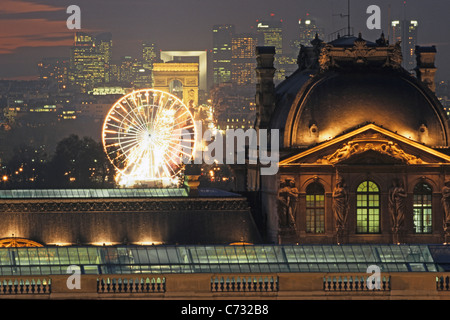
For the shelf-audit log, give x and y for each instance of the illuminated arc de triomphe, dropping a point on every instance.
(181, 78)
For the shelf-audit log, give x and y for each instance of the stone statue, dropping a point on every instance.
(446, 205)
(397, 206)
(287, 195)
(340, 206)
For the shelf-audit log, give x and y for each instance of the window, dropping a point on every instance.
(422, 209)
(315, 208)
(368, 208)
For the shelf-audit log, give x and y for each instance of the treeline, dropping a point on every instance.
(76, 163)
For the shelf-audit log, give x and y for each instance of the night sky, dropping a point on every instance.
(33, 29)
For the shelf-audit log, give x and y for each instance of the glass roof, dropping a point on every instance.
(109, 193)
(92, 193)
(225, 259)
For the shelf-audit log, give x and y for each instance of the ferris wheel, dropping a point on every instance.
(148, 135)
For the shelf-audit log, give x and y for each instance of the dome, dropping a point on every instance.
(313, 106)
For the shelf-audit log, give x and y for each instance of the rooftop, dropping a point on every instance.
(223, 258)
(109, 193)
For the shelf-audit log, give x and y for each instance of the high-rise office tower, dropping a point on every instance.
(103, 44)
(270, 33)
(149, 53)
(222, 37)
(406, 31)
(89, 60)
(243, 61)
(149, 57)
(126, 69)
(307, 30)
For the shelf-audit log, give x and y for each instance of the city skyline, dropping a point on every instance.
(32, 30)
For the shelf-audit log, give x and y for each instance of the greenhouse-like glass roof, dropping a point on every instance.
(223, 258)
(109, 193)
(91, 193)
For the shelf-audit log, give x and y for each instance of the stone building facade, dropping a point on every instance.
(364, 147)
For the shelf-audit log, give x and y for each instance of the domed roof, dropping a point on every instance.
(314, 106)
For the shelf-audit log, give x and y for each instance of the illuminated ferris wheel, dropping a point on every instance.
(147, 135)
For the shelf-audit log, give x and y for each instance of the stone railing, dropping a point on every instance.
(443, 283)
(395, 285)
(14, 286)
(233, 283)
(130, 285)
(354, 283)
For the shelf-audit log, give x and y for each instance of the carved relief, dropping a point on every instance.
(361, 51)
(324, 58)
(358, 146)
(147, 205)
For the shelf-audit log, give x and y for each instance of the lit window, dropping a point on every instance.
(368, 208)
(315, 208)
(422, 208)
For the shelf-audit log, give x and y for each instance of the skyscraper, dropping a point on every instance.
(222, 37)
(126, 69)
(406, 31)
(307, 30)
(243, 58)
(270, 33)
(89, 60)
(103, 44)
(149, 54)
(149, 57)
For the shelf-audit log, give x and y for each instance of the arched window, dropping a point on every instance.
(176, 88)
(422, 209)
(367, 208)
(315, 208)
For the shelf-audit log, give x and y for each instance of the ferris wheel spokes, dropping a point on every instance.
(147, 135)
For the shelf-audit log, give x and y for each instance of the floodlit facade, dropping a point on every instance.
(365, 147)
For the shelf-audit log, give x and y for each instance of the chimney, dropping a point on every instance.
(425, 69)
(265, 87)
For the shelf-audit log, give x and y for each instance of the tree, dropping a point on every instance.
(26, 167)
(80, 163)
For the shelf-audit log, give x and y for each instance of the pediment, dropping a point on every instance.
(370, 157)
(368, 145)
